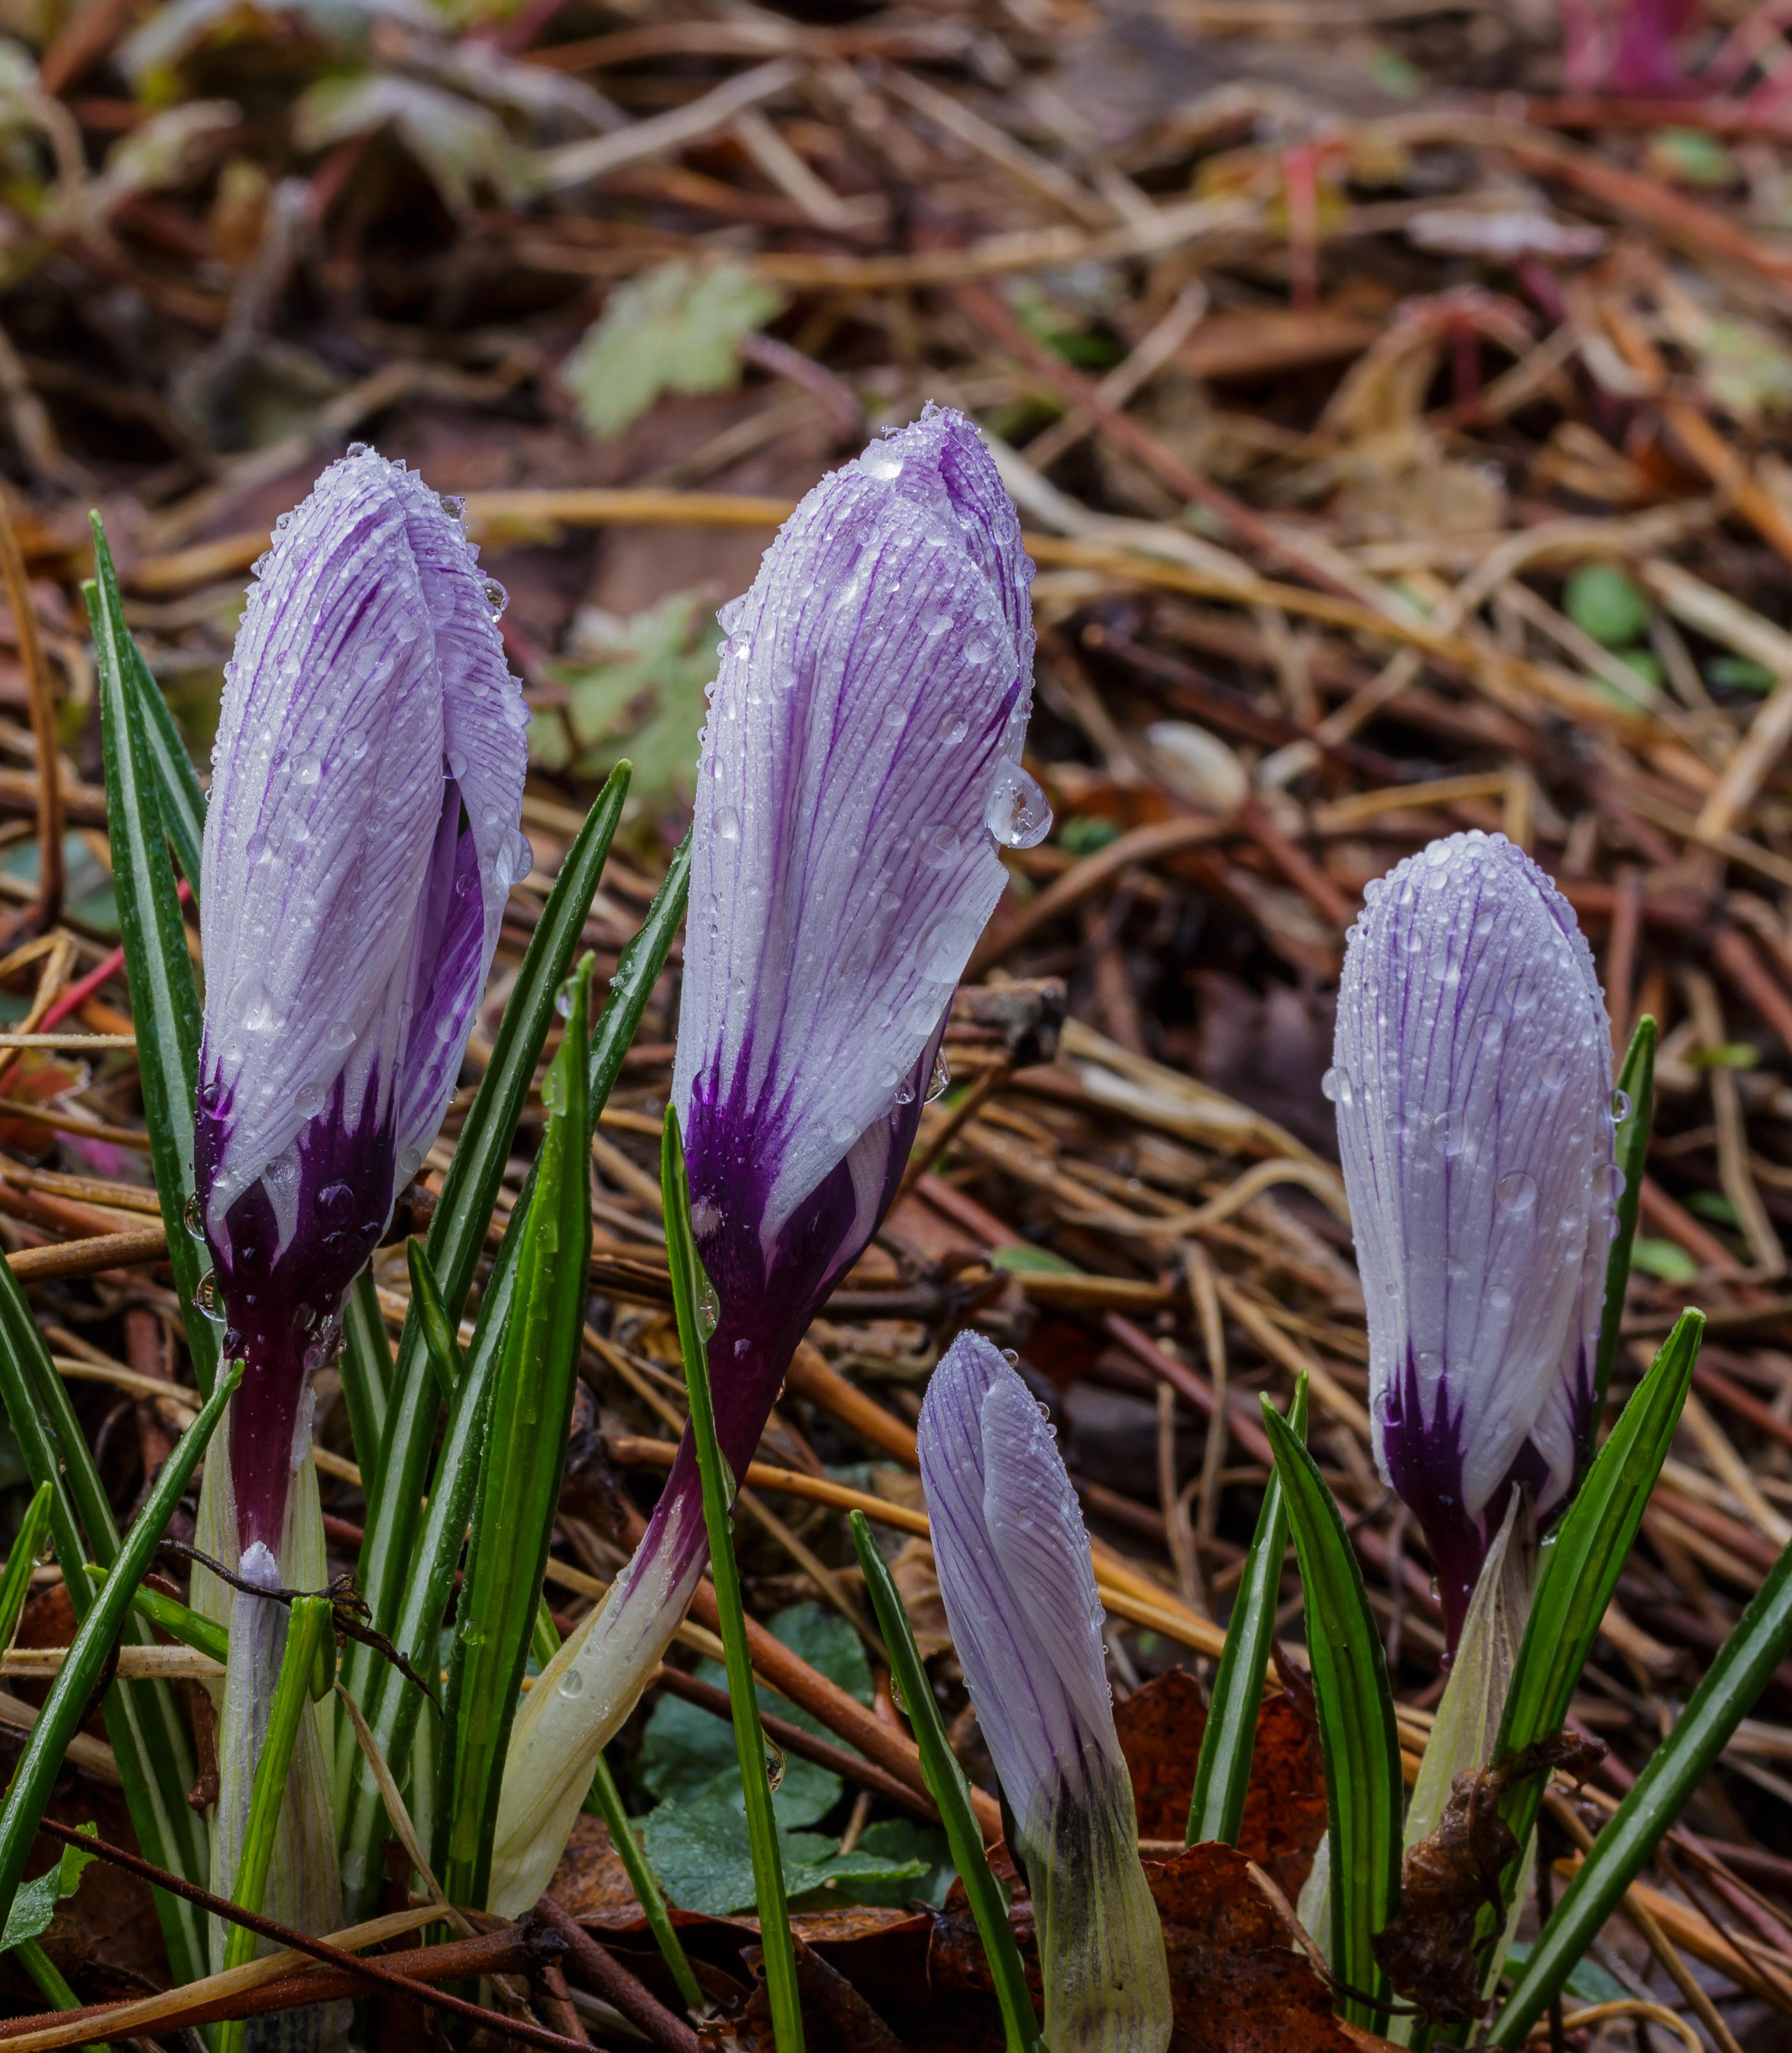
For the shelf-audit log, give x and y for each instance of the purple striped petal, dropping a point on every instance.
(1473, 1087)
(865, 726)
(360, 839)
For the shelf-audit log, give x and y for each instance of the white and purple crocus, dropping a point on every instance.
(1013, 1558)
(860, 771)
(1472, 1079)
(361, 838)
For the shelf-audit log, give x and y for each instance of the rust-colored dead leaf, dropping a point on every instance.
(1429, 1948)
(1236, 1984)
(1284, 1822)
(591, 1883)
(1160, 1727)
(919, 1586)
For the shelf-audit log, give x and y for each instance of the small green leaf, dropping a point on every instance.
(35, 1904)
(1665, 1259)
(1714, 1206)
(676, 328)
(639, 689)
(1364, 1790)
(702, 1855)
(1082, 834)
(1726, 1055)
(1602, 601)
(1587, 1982)
(1222, 1772)
(1740, 674)
(1021, 1258)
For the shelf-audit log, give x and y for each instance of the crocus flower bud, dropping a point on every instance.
(1472, 1079)
(360, 841)
(1013, 1559)
(861, 770)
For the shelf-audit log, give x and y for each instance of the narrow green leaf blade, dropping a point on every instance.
(15, 1585)
(457, 1231)
(439, 1342)
(164, 995)
(1364, 1791)
(525, 1456)
(148, 1734)
(608, 1798)
(1581, 1567)
(1222, 1773)
(390, 1706)
(719, 1489)
(366, 1364)
(1636, 1080)
(181, 802)
(60, 1719)
(945, 1778)
(1678, 1766)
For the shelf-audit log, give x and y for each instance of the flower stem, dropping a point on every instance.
(307, 1631)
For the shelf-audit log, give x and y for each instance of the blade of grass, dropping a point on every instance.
(177, 782)
(1363, 1789)
(1581, 1568)
(366, 1364)
(174, 1618)
(457, 1230)
(164, 995)
(457, 1234)
(525, 1458)
(1636, 1080)
(1222, 1773)
(719, 1488)
(605, 1802)
(148, 1734)
(439, 1344)
(951, 1795)
(60, 1719)
(307, 1626)
(1674, 1771)
(390, 1706)
(15, 1585)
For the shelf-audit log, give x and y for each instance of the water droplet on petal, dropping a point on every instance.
(941, 1078)
(307, 1100)
(727, 824)
(572, 1683)
(1017, 814)
(456, 764)
(1523, 994)
(340, 1038)
(1552, 1070)
(1514, 1193)
(1621, 1106)
(881, 463)
(709, 1309)
(1331, 1086)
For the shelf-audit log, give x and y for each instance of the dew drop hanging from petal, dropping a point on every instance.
(1017, 814)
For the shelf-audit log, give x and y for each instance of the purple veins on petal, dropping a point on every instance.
(359, 844)
(1471, 1080)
